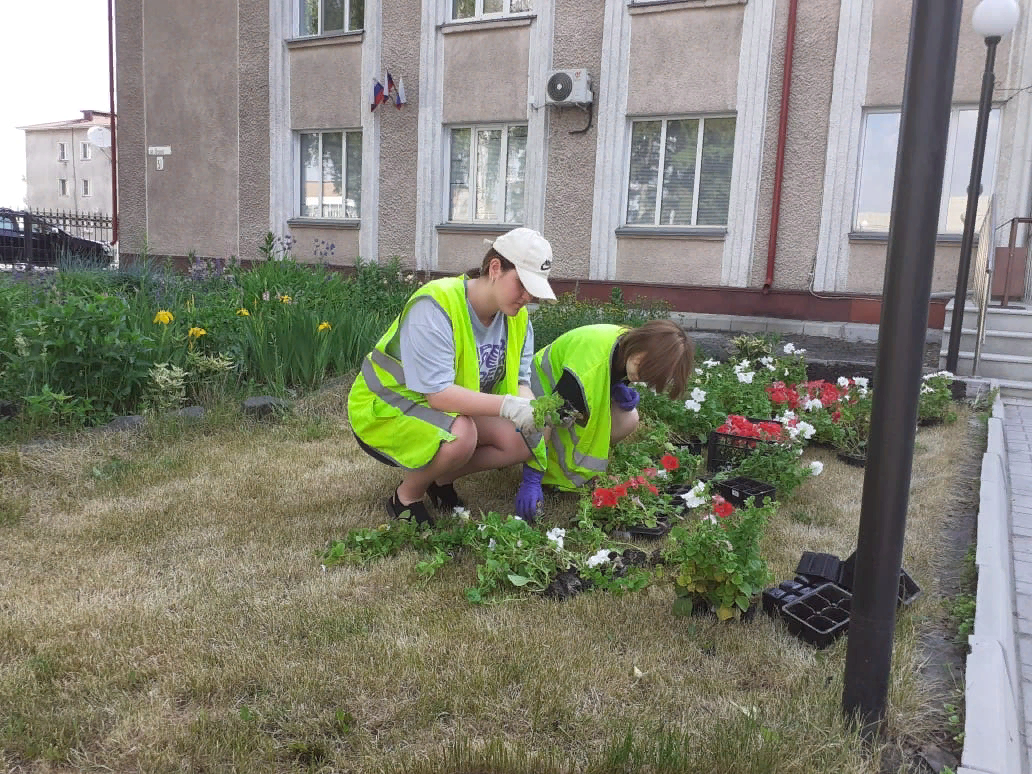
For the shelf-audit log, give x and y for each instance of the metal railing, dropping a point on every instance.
(95, 226)
(1011, 252)
(982, 275)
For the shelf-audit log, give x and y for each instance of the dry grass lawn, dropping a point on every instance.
(162, 608)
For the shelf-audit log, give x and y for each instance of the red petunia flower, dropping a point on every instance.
(620, 490)
(669, 462)
(722, 507)
(603, 498)
(650, 472)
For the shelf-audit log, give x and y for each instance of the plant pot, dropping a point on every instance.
(653, 533)
(820, 616)
(739, 489)
(856, 460)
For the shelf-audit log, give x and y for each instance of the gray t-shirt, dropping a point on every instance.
(427, 348)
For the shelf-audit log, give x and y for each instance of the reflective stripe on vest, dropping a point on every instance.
(404, 405)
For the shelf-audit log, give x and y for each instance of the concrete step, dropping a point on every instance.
(997, 318)
(1003, 367)
(1015, 391)
(995, 342)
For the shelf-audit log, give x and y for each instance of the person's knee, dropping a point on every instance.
(461, 448)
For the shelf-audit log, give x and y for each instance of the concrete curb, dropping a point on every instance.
(993, 743)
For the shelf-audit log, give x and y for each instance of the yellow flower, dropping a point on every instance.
(163, 317)
(285, 299)
(243, 312)
(196, 333)
(325, 326)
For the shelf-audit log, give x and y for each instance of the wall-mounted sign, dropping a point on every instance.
(159, 150)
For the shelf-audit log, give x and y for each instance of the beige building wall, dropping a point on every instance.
(253, 106)
(485, 73)
(671, 261)
(570, 179)
(806, 140)
(43, 170)
(132, 146)
(324, 92)
(890, 31)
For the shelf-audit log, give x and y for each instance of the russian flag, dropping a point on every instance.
(390, 84)
(378, 95)
(399, 94)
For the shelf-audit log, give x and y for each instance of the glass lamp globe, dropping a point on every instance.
(995, 18)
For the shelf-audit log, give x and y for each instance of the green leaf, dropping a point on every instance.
(518, 580)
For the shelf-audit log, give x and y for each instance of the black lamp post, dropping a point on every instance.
(923, 134)
(992, 20)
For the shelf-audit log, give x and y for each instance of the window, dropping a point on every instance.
(84, 151)
(87, 189)
(878, 170)
(319, 17)
(487, 170)
(331, 174)
(62, 151)
(487, 9)
(680, 171)
(62, 187)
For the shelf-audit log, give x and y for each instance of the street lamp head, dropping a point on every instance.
(995, 18)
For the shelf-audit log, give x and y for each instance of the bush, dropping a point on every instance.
(551, 320)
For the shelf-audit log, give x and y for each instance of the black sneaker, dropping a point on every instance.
(398, 510)
(444, 497)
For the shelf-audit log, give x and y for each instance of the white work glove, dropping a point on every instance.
(517, 409)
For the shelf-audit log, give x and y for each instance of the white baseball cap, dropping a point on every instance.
(531, 254)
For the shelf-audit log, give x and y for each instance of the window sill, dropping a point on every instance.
(655, 6)
(476, 228)
(329, 39)
(883, 237)
(337, 223)
(704, 233)
(471, 25)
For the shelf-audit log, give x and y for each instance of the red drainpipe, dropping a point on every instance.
(114, 145)
(779, 165)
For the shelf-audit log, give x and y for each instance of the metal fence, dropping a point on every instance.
(94, 226)
(982, 275)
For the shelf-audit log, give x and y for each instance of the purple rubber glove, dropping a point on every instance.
(529, 494)
(625, 397)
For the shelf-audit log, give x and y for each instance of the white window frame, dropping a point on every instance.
(62, 186)
(701, 117)
(62, 151)
(299, 170)
(951, 150)
(479, 15)
(299, 6)
(503, 160)
(87, 188)
(85, 153)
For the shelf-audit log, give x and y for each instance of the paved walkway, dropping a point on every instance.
(1017, 430)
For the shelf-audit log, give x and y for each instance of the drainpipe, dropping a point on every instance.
(779, 165)
(114, 146)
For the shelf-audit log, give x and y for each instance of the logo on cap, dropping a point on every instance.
(546, 265)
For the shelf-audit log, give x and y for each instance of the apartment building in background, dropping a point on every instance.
(653, 167)
(64, 170)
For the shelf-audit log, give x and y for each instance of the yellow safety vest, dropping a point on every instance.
(578, 454)
(398, 422)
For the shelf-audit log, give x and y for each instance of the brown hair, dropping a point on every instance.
(669, 355)
(485, 266)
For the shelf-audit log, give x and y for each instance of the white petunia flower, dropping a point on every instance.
(793, 431)
(482, 527)
(710, 363)
(843, 382)
(806, 429)
(789, 348)
(746, 378)
(786, 417)
(661, 473)
(556, 535)
(698, 370)
(695, 497)
(860, 381)
(693, 405)
(461, 512)
(601, 557)
(491, 544)
(816, 468)
(812, 404)
(925, 389)
(699, 394)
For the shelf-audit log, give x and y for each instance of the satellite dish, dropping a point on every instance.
(99, 136)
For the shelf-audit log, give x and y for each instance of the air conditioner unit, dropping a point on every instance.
(568, 87)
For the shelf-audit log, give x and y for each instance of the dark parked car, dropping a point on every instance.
(50, 244)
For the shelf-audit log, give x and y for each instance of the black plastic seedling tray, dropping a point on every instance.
(908, 589)
(821, 616)
(739, 489)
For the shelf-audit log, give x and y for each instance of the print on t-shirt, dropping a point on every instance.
(492, 364)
